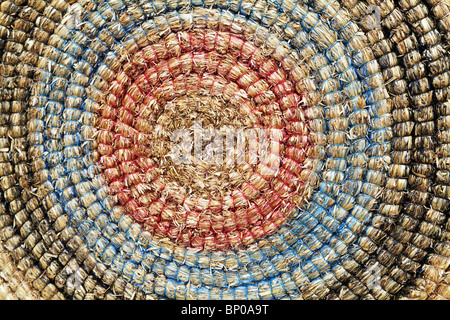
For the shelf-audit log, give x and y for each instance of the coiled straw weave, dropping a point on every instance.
(357, 93)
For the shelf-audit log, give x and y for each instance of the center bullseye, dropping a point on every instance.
(190, 144)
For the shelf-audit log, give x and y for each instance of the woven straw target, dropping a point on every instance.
(351, 99)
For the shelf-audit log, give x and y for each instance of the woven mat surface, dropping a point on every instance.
(132, 161)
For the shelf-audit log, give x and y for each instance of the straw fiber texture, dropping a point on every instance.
(352, 203)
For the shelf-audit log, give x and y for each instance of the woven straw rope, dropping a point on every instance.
(371, 101)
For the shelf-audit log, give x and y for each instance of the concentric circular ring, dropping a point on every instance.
(134, 140)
